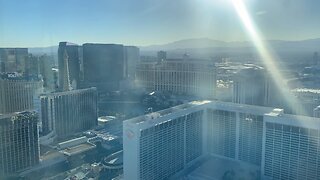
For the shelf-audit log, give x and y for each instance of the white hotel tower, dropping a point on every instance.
(172, 142)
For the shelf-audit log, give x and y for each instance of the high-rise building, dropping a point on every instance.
(104, 66)
(308, 100)
(291, 147)
(69, 112)
(315, 58)
(158, 145)
(13, 59)
(32, 68)
(45, 66)
(249, 86)
(262, 140)
(133, 58)
(161, 55)
(273, 96)
(19, 142)
(17, 93)
(68, 55)
(178, 76)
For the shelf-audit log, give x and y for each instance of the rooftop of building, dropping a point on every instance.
(74, 150)
(68, 44)
(274, 114)
(72, 142)
(165, 112)
(238, 66)
(68, 92)
(306, 90)
(179, 60)
(103, 135)
(16, 115)
(101, 44)
(75, 146)
(14, 48)
(259, 110)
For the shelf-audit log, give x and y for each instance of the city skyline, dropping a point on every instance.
(183, 89)
(141, 23)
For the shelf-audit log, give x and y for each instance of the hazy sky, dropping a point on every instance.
(36, 23)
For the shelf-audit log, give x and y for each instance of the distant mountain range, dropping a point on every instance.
(210, 44)
(200, 43)
(51, 50)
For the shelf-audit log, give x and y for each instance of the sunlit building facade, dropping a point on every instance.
(17, 93)
(166, 143)
(66, 113)
(157, 147)
(178, 76)
(291, 148)
(19, 142)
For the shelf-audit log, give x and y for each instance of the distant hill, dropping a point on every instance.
(309, 45)
(186, 44)
(207, 48)
(290, 51)
(51, 50)
(205, 43)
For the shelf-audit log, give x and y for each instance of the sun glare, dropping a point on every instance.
(268, 59)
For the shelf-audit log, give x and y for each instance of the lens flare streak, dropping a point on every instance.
(267, 57)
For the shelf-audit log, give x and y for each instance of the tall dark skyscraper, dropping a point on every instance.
(133, 58)
(19, 142)
(249, 86)
(161, 55)
(68, 55)
(13, 59)
(32, 67)
(104, 66)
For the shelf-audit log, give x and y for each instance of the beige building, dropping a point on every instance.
(189, 77)
(66, 113)
(19, 142)
(17, 94)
